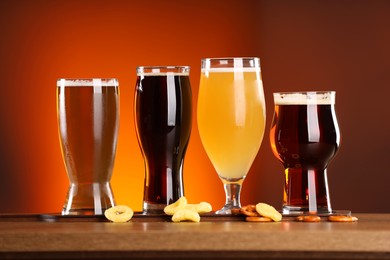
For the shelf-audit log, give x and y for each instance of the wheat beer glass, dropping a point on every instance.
(231, 120)
(88, 117)
(163, 117)
(305, 137)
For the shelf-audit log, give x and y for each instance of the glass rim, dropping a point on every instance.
(231, 58)
(305, 92)
(86, 82)
(163, 70)
(305, 98)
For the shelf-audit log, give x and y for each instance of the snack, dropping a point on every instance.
(119, 214)
(236, 211)
(179, 204)
(249, 210)
(266, 210)
(186, 215)
(202, 207)
(342, 218)
(309, 218)
(258, 219)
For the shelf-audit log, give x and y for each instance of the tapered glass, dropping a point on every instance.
(231, 120)
(305, 137)
(88, 118)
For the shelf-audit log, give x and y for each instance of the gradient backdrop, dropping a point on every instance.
(303, 45)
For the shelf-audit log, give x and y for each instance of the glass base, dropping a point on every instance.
(318, 213)
(227, 210)
(88, 199)
(150, 208)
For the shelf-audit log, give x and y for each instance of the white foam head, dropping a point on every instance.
(87, 83)
(305, 98)
(163, 71)
(230, 70)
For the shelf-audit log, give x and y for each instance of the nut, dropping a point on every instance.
(249, 210)
(258, 219)
(342, 218)
(268, 211)
(186, 215)
(179, 204)
(119, 214)
(309, 218)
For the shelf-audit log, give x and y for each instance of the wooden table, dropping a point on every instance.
(34, 236)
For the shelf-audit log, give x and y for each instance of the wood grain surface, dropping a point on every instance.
(37, 236)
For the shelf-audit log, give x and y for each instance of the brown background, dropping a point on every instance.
(303, 45)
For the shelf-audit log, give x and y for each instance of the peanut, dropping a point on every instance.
(119, 214)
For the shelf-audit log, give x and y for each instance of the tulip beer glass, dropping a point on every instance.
(163, 117)
(88, 117)
(305, 137)
(231, 120)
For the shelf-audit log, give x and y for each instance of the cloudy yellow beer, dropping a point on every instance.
(231, 118)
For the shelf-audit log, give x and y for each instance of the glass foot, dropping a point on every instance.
(321, 214)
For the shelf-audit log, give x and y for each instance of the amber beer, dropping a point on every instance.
(163, 113)
(88, 116)
(305, 137)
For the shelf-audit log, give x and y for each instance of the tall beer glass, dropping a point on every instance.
(305, 137)
(231, 119)
(88, 117)
(163, 114)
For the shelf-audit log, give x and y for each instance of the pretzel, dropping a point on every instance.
(310, 218)
(342, 218)
(258, 219)
(250, 211)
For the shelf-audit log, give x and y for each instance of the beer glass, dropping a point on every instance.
(231, 120)
(305, 137)
(88, 117)
(163, 117)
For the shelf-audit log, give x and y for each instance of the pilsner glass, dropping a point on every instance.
(305, 137)
(163, 117)
(231, 119)
(88, 117)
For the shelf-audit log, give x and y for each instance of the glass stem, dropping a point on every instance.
(232, 191)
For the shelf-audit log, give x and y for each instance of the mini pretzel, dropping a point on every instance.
(236, 211)
(258, 219)
(342, 219)
(308, 218)
(249, 210)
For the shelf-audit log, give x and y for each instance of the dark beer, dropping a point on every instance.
(88, 115)
(305, 137)
(163, 112)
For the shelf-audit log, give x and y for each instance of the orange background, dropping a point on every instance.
(303, 45)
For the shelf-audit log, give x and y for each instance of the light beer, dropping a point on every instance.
(88, 116)
(231, 118)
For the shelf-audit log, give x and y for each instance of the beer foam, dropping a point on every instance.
(87, 82)
(230, 70)
(163, 74)
(304, 98)
(163, 71)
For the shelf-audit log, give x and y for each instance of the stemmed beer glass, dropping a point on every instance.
(231, 119)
